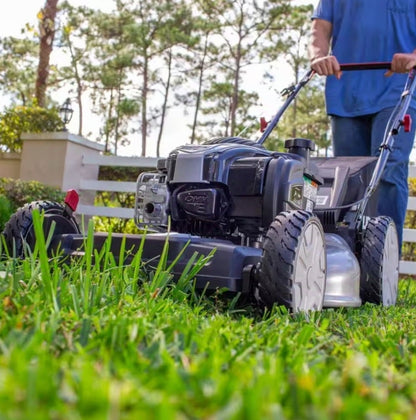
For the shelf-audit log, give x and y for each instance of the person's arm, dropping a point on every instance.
(321, 61)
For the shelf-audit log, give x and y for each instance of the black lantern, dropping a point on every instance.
(65, 112)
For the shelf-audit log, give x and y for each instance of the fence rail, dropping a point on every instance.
(149, 163)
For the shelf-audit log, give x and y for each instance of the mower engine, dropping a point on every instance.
(229, 190)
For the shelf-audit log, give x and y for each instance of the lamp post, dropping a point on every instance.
(65, 112)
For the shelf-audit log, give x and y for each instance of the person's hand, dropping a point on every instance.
(402, 63)
(326, 66)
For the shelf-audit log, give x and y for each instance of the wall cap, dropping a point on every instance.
(10, 155)
(63, 135)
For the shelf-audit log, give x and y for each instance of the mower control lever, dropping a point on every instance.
(407, 123)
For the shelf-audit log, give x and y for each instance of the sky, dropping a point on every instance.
(16, 13)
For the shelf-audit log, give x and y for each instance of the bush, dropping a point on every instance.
(409, 248)
(20, 119)
(20, 192)
(6, 210)
(115, 225)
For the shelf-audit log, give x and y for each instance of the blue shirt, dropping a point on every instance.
(363, 31)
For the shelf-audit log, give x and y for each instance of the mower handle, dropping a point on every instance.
(294, 90)
(382, 65)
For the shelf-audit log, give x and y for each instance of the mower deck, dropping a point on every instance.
(231, 267)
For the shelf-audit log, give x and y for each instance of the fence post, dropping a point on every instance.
(55, 159)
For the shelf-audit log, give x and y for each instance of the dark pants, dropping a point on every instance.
(362, 136)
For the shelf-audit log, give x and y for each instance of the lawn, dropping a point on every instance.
(97, 340)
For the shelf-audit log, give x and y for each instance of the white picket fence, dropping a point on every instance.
(112, 186)
(409, 235)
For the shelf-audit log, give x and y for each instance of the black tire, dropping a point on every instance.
(19, 233)
(235, 140)
(380, 262)
(292, 269)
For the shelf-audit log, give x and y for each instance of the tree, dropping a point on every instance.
(75, 42)
(26, 119)
(47, 33)
(18, 68)
(157, 27)
(242, 35)
(218, 101)
(196, 62)
(306, 117)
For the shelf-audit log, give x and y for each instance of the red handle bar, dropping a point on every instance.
(385, 65)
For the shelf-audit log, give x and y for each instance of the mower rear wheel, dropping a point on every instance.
(292, 269)
(380, 262)
(19, 232)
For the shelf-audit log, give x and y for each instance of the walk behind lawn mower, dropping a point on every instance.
(287, 228)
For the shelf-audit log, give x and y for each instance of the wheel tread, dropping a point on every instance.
(371, 260)
(275, 271)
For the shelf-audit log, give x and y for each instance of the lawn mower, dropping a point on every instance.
(287, 228)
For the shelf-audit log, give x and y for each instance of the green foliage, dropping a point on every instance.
(20, 192)
(101, 339)
(119, 173)
(115, 224)
(26, 119)
(409, 248)
(6, 210)
(18, 68)
(112, 224)
(306, 118)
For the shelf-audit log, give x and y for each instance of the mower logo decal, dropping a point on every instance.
(195, 199)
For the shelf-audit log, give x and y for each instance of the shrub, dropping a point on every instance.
(409, 248)
(20, 192)
(6, 210)
(19, 119)
(114, 224)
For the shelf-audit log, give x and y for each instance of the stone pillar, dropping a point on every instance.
(56, 159)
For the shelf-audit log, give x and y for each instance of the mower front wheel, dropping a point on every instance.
(292, 269)
(19, 232)
(380, 262)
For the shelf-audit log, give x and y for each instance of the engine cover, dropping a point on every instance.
(208, 203)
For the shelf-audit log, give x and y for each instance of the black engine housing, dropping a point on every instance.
(234, 191)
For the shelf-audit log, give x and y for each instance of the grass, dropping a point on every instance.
(99, 340)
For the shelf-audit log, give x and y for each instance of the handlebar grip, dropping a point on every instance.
(382, 65)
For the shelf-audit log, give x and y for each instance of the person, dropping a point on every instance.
(360, 103)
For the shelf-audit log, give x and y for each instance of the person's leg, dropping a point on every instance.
(351, 136)
(393, 189)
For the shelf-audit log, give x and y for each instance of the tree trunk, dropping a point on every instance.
(236, 87)
(235, 98)
(165, 103)
(199, 94)
(107, 129)
(47, 34)
(117, 124)
(78, 81)
(144, 103)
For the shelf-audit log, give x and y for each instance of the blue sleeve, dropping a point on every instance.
(324, 10)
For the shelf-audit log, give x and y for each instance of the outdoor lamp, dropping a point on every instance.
(65, 112)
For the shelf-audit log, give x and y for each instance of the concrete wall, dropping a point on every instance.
(10, 165)
(55, 159)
